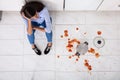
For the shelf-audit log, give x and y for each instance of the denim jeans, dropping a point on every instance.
(31, 37)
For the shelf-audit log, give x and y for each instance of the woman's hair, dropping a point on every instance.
(30, 8)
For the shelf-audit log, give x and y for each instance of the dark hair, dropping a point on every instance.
(30, 8)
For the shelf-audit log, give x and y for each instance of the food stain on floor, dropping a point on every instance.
(66, 33)
(58, 56)
(70, 48)
(77, 28)
(99, 32)
(86, 64)
(70, 44)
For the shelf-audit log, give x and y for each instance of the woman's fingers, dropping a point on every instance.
(25, 16)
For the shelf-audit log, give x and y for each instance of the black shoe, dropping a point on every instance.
(36, 50)
(47, 49)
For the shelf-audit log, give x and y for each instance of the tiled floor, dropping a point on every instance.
(19, 62)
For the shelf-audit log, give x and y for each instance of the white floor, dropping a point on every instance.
(19, 62)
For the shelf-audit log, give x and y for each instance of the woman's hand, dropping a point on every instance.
(25, 17)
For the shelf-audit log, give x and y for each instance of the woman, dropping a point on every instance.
(36, 17)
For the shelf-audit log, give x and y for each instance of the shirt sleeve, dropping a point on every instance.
(48, 28)
(25, 21)
(46, 16)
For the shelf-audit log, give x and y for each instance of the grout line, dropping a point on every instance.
(64, 5)
(86, 24)
(59, 71)
(55, 50)
(10, 24)
(23, 55)
(99, 5)
(56, 54)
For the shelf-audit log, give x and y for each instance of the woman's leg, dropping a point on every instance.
(49, 38)
(31, 38)
(48, 35)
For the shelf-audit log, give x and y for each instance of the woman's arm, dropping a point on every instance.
(29, 26)
(40, 29)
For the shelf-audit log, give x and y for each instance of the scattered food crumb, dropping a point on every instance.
(61, 36)
(71, 43)
(58, 56)
(97, 55)
(78, 42)
(70, 50)
(68, 39)
(77, 28)
(70, 57)
(77, 59)
(99, 32)
(85, 33)
(66, 33)
(87, 65)
(86, 61)
(73, 55)
(91, 50)
(69, 46)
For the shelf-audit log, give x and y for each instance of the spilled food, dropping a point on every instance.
(99, 32)
(86, 64)
(66, 33)
(70, 44)
(70, 48)
(58, 56)
(77, 28)
(92, 50)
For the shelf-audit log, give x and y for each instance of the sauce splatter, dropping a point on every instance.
(66, 33)
(85, 33)
(68, 39)
(99, 32)
(85, 61)
(97, 55)
(58, 56)
(86, 64)
(89, 67)
(77, 28)
(73, 55)
(70, 57)
(70, 50)
(91, 50)
(61, 36)
(70, 47)
(77, 59)
(70, 44)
